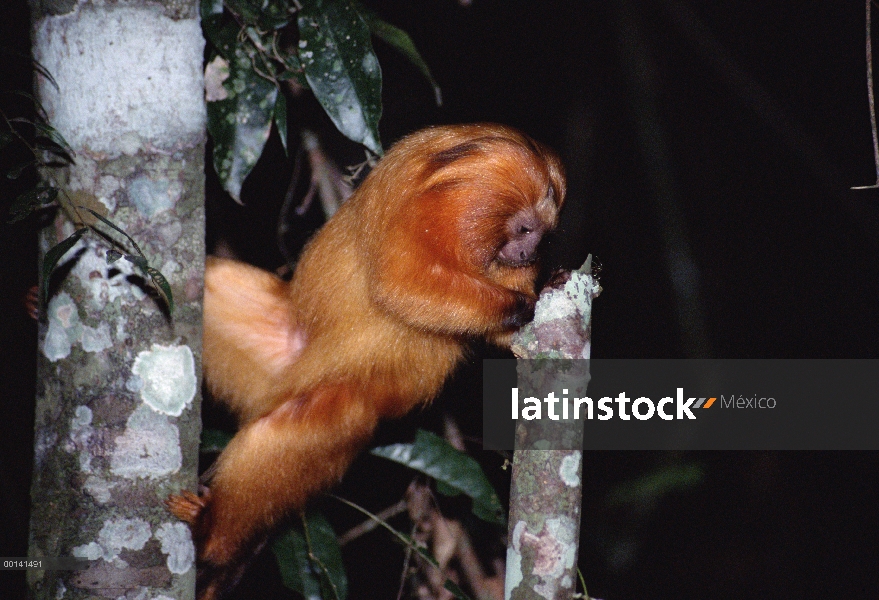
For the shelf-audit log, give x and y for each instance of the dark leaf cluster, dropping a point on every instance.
(322, 45)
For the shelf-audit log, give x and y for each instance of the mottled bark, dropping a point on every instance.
(118, 392)
(546, 491)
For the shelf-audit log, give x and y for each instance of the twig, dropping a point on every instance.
(870, 97)
(370, 524)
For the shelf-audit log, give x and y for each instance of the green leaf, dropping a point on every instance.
(161, 284)
(41, 112)
(454, 471)
(211, 7)
(110, 224)
(311, 561)
(45, 73)
(240, 124)
(113, 256)
(335, 49)
(54, 255)
(400, 41)
(138, 261)
(648, 489)
(158, 280)
(54, 149)
(267, 14)
(216, 28)
(48, 132)
(31, 200)
(294, 69)
(291, 552)
(280, 117)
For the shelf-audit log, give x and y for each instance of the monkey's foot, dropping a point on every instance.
(31, 303)
(189, 506)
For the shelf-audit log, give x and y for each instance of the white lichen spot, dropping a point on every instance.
(170, 234)
(569, 471)
(96, 339)
(149, 447)
(45, 440)
(563, 529)
(177, 543)
(64, 327)
(170, 267)
(83, 173)
(82, 418)
(106, 188)
(168, 375)
(514, 559)
(134, 384)
(554, 305)
(150, 196)
(91, 551)
(554, 550)
(369, 63)
(123, 534)
(514, 573)
(99, 488)
(121, 334)
(115, 536)
(80, 433)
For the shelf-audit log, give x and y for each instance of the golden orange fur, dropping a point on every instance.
(436, 247)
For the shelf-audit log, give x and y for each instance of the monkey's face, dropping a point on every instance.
(525, 230)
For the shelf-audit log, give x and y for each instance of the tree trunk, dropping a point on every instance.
(117, 416)
(547, 480)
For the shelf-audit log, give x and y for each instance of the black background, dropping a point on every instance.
(710, 149)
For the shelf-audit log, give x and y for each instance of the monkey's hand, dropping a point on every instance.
(521, 312)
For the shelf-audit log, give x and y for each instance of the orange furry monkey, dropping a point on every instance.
(436, 247)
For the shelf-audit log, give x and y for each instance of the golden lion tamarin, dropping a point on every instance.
(436, 247)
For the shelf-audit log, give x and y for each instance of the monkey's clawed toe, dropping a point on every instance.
(188, 506)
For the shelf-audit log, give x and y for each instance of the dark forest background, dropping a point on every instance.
(710, 148)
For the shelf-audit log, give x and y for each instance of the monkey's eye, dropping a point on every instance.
(524, 230)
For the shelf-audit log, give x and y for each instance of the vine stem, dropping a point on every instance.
(871, 99)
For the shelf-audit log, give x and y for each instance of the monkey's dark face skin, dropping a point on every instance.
(525, 230)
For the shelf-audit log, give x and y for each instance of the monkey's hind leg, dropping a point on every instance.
(267, 472)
